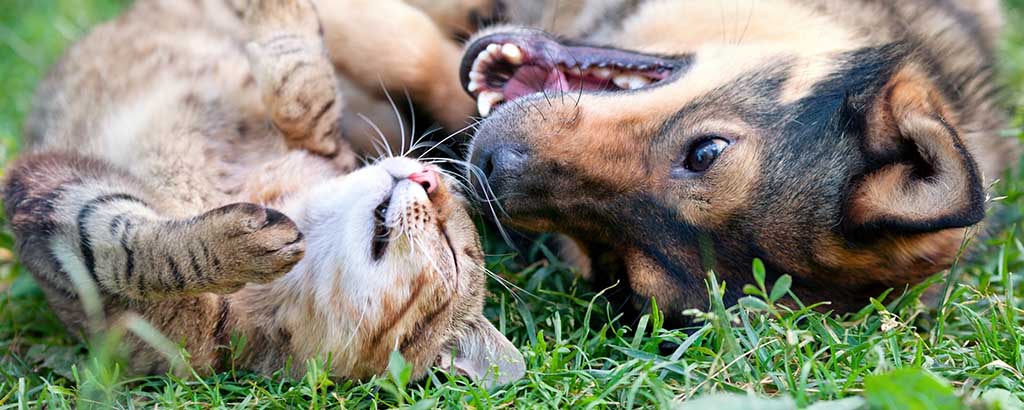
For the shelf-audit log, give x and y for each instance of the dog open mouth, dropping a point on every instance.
(502, 67)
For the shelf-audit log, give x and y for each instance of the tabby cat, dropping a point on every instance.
(185, 164)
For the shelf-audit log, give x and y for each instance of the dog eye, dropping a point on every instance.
(704, 153)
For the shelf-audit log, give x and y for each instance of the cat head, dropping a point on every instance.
(396, 264)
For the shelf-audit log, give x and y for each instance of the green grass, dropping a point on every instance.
(968, 352)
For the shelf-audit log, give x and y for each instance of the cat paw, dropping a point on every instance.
(269, 17)
(302, 99)
(252, 243)
(295, 77)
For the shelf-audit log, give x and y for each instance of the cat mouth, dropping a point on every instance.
(410, 221)
(381, 230)
(382, 233)
(503, 67)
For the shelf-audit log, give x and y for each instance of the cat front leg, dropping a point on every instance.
(295, 76)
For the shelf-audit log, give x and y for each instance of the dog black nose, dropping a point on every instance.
(501, 162)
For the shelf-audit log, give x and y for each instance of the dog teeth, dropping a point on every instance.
(512, 53)
(481, 62)
(639, 81)
(487, 100)
(488, 95)
(487, 56)
(602, 73)
(630, 81)
(574, 71)
(508, 52)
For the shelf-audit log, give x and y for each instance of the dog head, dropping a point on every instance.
(837, 162)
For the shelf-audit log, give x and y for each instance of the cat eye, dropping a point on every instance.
(704, 153)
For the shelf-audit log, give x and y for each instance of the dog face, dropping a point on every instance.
(668, 153)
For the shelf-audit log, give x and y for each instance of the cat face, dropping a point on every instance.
(397, 265)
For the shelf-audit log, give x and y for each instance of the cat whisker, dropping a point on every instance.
(416, 143)
(510, 287)
(489, 197)
(445, 139)
(412, 117)
(398, 116)
(380, 133)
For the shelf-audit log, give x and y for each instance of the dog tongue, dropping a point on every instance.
(530, 79)
(556, 81)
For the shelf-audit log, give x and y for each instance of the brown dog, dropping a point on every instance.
(848, 143)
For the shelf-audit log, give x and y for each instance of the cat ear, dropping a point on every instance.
(485, 355)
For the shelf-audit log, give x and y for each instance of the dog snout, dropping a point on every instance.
(501, 163)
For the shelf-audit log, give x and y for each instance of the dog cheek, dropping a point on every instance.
(650, 280)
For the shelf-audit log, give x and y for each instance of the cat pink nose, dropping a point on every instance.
(426, 178)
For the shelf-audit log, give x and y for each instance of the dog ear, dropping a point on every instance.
(485, 355)
(919, 178)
